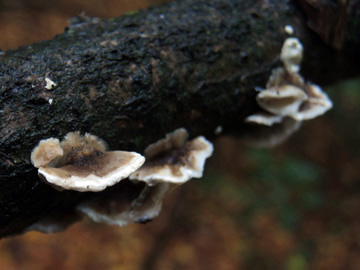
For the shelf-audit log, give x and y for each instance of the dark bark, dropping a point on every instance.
(191, 64)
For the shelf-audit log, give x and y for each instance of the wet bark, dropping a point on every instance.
(190, 63)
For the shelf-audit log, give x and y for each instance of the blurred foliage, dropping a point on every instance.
(294, 207)
(287, 186)
(346, 111)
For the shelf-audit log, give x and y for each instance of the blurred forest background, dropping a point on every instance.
(294, 207)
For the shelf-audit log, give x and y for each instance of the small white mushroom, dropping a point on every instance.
(84, 165)
(174, 159)
(113, 209)
(291, 54)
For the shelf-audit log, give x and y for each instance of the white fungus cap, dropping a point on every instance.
(291, 54)
(114, 211)
(85, 164)
(174, 159)
(106, 170)
(286, 101)
(288, 95)
(283, 100)
(317, 104)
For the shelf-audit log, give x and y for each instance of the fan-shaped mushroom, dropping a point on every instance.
(82, 163)
(174, 159)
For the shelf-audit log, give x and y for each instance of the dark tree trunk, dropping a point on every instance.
(191, 63)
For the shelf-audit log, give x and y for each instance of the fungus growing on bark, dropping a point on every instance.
(288, 95)
(291, 54)
(46, 152)
(113, 209)
(84, 165)
(280, 76)
(282, 100)
(318, 103)
(287, 99)
(174, 159)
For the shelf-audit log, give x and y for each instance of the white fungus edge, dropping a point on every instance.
(93, 182)
(165, 174)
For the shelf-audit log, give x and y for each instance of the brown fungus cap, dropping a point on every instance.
(46, 152)
(174, 159)
(86, 165)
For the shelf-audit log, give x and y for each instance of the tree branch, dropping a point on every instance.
(191, 63)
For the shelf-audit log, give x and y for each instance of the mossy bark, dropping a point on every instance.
(131, 80)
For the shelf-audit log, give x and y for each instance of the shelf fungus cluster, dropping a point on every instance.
(174, 159)
(288, 95)
(83, 163)
(169, 162)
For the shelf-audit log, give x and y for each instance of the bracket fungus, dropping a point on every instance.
(174, 159)
(113, 209)
(287, 96)
(82, 163)
(282, 100)
(317, 103)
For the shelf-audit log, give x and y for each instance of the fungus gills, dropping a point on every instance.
(114, 209)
